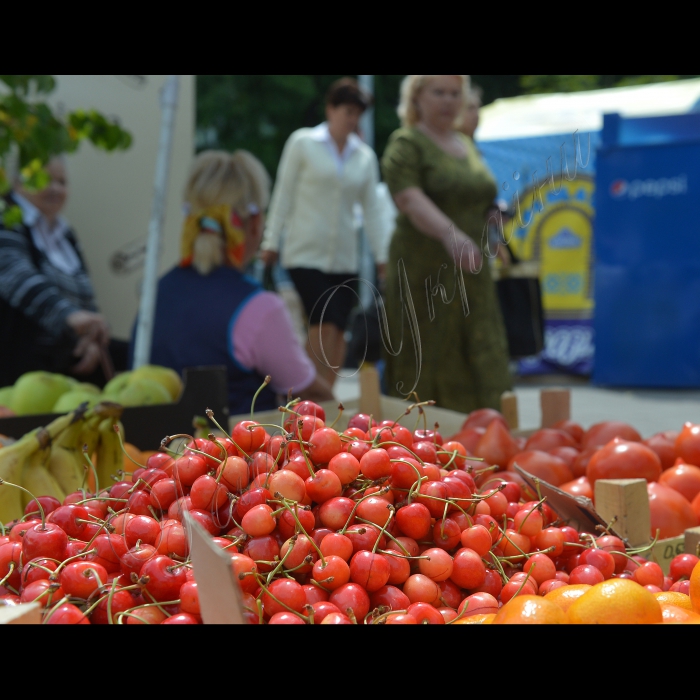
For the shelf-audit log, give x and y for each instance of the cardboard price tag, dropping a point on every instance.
(219, 593)
(577, 511)
(24, 614)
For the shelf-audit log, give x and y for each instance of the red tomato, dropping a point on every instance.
(568, 454)
(482, 418)
(580, 463)
(544, 466)
(664, 444)
(497, 445)
(469, 438)
(696, 505)
(688, 444)
(671, 513)
(548, 438)
(574, 429)
(623, 459)
(684, 478)
(578, 487)
(601, 433)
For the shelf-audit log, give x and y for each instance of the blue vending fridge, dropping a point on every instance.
(647, 252)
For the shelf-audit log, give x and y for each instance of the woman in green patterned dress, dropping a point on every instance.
(446, 337)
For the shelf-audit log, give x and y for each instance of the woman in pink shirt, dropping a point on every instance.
(208, 312)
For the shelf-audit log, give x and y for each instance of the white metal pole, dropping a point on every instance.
(367, 119)
(366, 260)
(144, 328)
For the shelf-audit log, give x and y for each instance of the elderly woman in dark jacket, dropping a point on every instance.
(48, 316)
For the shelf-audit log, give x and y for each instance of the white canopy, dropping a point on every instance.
(563, 113)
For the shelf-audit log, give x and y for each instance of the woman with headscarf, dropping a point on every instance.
(208, 312)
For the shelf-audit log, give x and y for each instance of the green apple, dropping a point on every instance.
(116, 385)
(166, 376)
(6, 396)
(73, 398)
(87, 387)
(38, 391)
(142, 391)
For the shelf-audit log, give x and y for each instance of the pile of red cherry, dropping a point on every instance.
(377, 524)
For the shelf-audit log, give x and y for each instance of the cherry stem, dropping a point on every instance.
(75, 556)
(266, 381)
(281, 562)
(115, 426)
(47, 615)
(392, 512)
(341, 408)
(520, 527)
(394, 553)
(381, 619)
(92, 467)
(354, 508)
(3, 482)
(210, 416)
(286, 505)
(303, 450)
(11, 568)
(499, 568)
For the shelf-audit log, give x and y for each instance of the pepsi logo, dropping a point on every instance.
(618, 188)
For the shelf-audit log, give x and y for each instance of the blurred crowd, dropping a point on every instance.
(427, 211)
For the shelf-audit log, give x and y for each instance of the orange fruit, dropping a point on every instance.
(682, 600)
(617, 601)
(530, 610)
(695, 588)
(135, 454)
(675, 615)
(565, 596)
(478, 619)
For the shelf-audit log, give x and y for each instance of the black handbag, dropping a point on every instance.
(520, 297)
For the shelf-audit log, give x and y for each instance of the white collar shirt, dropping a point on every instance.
(51, 240)
(313, 203)
(322, 133)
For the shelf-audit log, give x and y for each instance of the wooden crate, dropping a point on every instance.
(555, 405)
(625, 504)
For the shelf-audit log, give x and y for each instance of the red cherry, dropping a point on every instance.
(112, 602)
(361, 421)
(44, 541)
(351, 596)
(80, 579)
(165, 577)
(310, 408)
(71, 519)
(67, 614)
(134, 559)
(48, 503)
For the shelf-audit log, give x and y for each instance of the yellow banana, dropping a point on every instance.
(37, 479)
(65, 462)
(12, 460)
(109, 457)
(90, 436)
(58, 425)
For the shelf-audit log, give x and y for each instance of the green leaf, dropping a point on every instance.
(12, 216)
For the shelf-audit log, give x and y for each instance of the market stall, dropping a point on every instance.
(543, 152)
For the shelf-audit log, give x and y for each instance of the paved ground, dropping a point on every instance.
(649, 411)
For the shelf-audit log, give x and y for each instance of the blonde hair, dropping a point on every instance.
(237, 179)
(411, 85)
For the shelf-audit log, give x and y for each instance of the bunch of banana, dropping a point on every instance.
(49, 461)
(109, 456)
(14, 458)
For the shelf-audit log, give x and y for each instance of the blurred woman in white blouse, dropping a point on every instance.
(324, 171)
